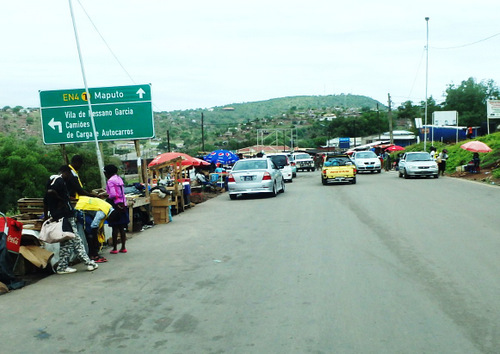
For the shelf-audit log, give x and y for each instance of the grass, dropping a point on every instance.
(459, 156)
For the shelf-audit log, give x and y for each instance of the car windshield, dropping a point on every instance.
(250, 165)
(421, 156)
(302, 156)
(366, 155)
(279, 160)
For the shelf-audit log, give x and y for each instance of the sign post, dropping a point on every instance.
(120, 113)
(493, 111)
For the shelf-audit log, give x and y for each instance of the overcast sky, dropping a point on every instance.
(200, 54)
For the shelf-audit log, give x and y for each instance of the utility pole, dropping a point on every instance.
(390, 119)
(426, 82)
(202, 135)
(378, 120)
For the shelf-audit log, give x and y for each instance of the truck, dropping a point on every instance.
(338, 168)
(303, 161)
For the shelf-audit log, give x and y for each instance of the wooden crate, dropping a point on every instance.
(156, 201)
(160, 215)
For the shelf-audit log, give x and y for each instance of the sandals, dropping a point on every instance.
(98, 259)
(114, 252)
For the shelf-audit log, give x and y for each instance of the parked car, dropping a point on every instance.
(282, 161)
(251, 176)
(366, 161)
(417, 164)
(304, 161)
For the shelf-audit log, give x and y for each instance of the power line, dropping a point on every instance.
(469, 44)
(109, 48)
(106, 43)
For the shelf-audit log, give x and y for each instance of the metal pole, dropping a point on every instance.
(389, 114)
(202, 135)
(98, 151)
(426, 82)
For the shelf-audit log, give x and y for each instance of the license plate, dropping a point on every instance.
(247, 178)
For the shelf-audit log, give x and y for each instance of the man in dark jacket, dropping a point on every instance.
(56, 204)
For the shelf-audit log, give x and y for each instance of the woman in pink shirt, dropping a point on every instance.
(116, 197)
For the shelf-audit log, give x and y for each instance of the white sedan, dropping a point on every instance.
(250, 176)
(417, 164)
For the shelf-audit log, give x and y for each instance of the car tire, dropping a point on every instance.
(323, 180)
(274, 193)
(379, 171)
(283, 186)
(313, 169)
(406, 174)
(436, 176)
(399, 174)
(353, 181)
(232, 196)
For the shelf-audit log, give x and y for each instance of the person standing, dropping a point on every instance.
(469, 132)
(57, 205)
(433, 153)
(441, 160)
(75, 185)
(116, 197)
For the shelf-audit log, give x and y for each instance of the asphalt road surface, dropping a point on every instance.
(384, 266)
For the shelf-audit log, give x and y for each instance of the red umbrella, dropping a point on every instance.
(187, 160)
(476, 146)
(394, 148)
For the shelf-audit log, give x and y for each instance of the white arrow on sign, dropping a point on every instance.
(53, 125)
(140, 92)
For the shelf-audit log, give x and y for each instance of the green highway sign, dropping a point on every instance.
(120, 113)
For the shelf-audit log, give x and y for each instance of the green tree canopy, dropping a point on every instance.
(469, 100)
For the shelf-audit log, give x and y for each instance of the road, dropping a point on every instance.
(384, 266)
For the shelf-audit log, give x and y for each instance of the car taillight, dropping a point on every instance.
(293, 164)
(231, 178)
(266, 177)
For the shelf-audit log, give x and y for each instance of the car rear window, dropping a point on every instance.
(302, 156)
(250, 165)
(279, 160)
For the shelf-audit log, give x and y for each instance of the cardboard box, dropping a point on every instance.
(160, 215)
(157, 201)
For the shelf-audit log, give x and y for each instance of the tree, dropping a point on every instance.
(469, 100)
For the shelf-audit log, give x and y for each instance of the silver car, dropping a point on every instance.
(366, 161)
(417, 164)
(250, 176)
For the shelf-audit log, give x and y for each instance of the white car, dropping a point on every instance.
(366, 161)
(417, 163)
(283, 163)
(303, 161)
(251, 176)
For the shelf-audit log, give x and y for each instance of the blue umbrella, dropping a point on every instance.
(225, 157)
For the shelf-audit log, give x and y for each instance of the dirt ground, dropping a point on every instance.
(484, 176)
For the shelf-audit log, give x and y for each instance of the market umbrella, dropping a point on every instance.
(476, 146)
(187, 160)
(225, 157)
(394, 148)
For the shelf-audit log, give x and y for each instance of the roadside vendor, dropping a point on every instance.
(74, 184)
(92, 214)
